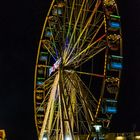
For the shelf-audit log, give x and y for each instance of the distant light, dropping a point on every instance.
(68, 138)
(120, 138)
(44, 138)
(137, 137)
(97, 127)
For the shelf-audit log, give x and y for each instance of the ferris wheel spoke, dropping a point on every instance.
(91, 56)
(70, 19)
(84, 108)
(78, 79)
(43, 102)
(87, 88)
(68, 118)
(71, 105)
(92, 32)
(85, 111)
(83, 52)
(84, 29)
(90, 49)
(75, 25)
(73, 84)
(92, 42)
(87, 53)
(58, 38)
(67, 109)
(91, 3)
(90, 74)
(50, 49)
(47, 82)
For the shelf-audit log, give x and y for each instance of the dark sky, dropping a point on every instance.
(20, 28)
(129, 99)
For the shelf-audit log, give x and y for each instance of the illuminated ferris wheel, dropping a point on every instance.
(78, 69)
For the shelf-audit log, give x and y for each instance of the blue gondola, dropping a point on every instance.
(109, 106)
(114, 24)
(115, 63)
(40, 81)
(43, 56)
(111, 110)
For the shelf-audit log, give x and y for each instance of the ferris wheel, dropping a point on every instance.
(78, 69)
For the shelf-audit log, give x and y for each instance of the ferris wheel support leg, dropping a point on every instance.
(68, 119)
(64, 110)
(61, 106)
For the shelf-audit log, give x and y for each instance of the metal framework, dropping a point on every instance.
(78, 68)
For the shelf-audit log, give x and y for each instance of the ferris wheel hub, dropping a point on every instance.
(55, 66)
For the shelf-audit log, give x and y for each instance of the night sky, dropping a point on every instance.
(20, 28)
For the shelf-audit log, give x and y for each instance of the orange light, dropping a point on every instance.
(120, 138)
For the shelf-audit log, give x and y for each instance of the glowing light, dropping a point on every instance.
(44, 138)
(111, 110)
(115, 16)
(115, 25)
(116, 65)
(43, 56)
(137, 137)
(55, 66)
(68, 138)
(48, 34)
(97, 127)
(120, 138)
(39, 83)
